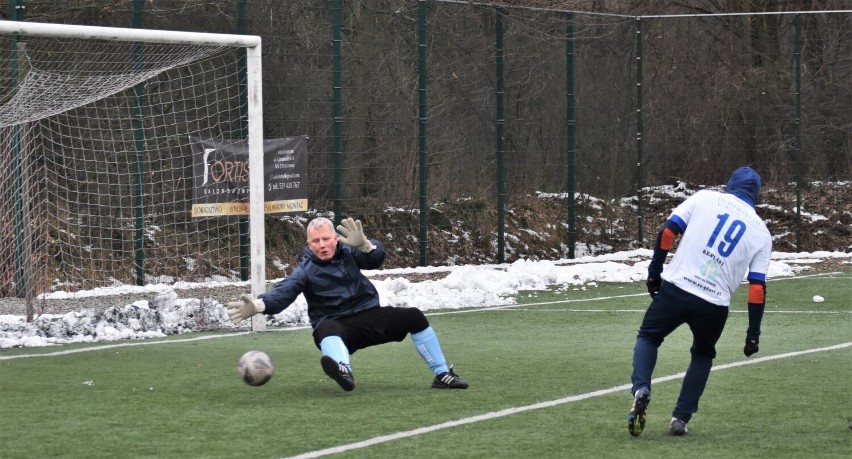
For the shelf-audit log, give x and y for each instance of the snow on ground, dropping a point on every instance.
(462, 287)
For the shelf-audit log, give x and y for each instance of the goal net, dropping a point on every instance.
(96, 157)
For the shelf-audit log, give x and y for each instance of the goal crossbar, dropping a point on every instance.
(254, 133)
(126, 34)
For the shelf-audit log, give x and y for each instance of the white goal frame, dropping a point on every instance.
(252, 44)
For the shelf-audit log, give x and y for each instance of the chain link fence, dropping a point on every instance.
(422, 114)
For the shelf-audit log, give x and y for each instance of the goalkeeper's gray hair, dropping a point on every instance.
(320, 222)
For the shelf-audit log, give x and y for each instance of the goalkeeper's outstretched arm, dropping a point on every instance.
(241, 310)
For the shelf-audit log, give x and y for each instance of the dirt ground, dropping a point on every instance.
(464, 231)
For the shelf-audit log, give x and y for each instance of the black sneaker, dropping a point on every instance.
(338, 372)
(448, 380)
(636, 417)
(677, 427)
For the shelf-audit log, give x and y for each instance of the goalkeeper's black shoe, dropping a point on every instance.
(448, 380)
(339, 372)
(636, 417)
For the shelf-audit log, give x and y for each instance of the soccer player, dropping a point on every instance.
(343, 305)
(722, 239)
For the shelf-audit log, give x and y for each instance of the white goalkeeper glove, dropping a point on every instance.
(239, 311)
(353, 235)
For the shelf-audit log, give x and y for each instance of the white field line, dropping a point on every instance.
(643, 310)
(523, 307)
(505, 308)
(463, 311)
(140, 343)
(535, 406)
(517, 306)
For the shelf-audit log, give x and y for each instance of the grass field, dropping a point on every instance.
(548, 378)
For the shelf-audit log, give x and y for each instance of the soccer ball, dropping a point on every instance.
(255, 368)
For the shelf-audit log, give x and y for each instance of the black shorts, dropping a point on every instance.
(371, 327)
(673, 307)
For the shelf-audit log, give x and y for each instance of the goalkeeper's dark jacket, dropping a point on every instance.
(333, 288)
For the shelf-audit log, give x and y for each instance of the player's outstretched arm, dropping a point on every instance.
(662, 245)
(353, 235)
(756, 303)
(241, 310)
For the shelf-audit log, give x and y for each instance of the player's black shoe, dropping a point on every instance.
(677, 427)
(448, 380)
(339, 372)
(636, 417)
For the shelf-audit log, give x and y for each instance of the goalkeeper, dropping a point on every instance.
(723, 239)
(343, 305)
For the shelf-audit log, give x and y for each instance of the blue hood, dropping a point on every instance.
(745, 184)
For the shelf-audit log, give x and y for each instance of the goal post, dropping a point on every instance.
(73, 159)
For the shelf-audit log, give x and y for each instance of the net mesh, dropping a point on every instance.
(97, 161)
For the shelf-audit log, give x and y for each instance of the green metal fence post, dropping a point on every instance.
(422, 124)
(242, 71)
(798, 147)
(16, 13)
(139, 146)
(336, 109)
(501, 147)
(570, 127)
(639, 160)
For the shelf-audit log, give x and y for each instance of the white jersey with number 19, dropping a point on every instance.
(723, 239)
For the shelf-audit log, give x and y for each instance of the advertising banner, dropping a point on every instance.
(221, 176)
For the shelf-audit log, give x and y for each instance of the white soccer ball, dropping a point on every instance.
(818, 299)
(255, 368)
